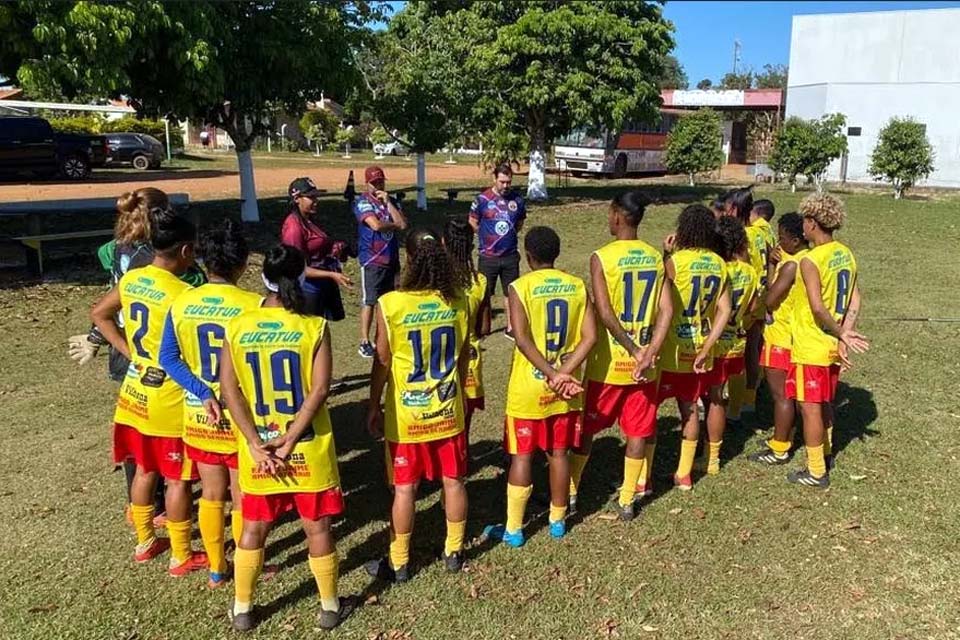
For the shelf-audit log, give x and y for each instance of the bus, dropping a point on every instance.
(636, 148)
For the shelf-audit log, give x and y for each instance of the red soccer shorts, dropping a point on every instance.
(773, 357)
(524, 436)
(311, 505)
(686, 387)
(812, 383)
(410, 462)
(154, 454)
(723, 370)
(228, 460)
(633, 406)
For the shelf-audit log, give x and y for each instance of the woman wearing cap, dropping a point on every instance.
(321, 287)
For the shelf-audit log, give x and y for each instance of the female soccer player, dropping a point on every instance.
(635, 310)
(742, 281)
(458, 241)
(275, 377)
(422, 359)
(554, 329)
(781, 298)
(701, 309)
(148, 422)
(822, 331)
(191, 354)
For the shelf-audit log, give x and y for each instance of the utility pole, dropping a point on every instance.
(736, 54)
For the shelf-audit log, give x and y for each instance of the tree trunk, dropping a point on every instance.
(243, 136)
(421, 181)
(690, 177)
(536, 179)
(897, 191)
(249, 211)
(793, 186)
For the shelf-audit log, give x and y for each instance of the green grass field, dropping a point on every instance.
(745, 555)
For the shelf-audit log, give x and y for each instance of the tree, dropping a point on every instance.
(694, 144)
(774, 76)
(808, 147)
(233, 64)
(741, 81)
(319, 127)
(673, 75)
(705, 85)
(903, 154)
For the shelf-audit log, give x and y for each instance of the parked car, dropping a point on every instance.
(392, 148)
(30, 145)
(141, 150)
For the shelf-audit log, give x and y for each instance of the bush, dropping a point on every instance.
(694, 144)
(903, 154)
(132, 124)
(85, 125)
(808, 147)
(503, 145)
(319, 127)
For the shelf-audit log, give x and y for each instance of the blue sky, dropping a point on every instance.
(705, 31)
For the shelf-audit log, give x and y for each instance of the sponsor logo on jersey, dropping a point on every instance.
(418, 399)
(502, 227)
(272, 326)
(211, 310)
(637, 258)
(429, 313)
(401, 461)
(270, 333)
(686, 331)
(145, 281)
(840, 259)
(512, 205)
(706, 263)
(554, 286)
(143, 288)
(212, 300)
(268, 432)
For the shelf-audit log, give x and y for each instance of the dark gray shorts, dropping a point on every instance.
(507, 268)
(376, 280)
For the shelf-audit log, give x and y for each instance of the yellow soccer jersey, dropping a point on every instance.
(149, 401)
(426, 335)
(758, 248)
(473, 385)
(200, 317)
(555, 303)
(743, 283)
(769, 234)
(699, 278)
(838, 277)
(633, 271)
(777, 330)
(272, 350)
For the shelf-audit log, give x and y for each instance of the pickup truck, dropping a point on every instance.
(29, 145)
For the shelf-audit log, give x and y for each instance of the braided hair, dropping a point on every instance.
(458, 241)
(429, 267)
(696, 228)
(731, 237)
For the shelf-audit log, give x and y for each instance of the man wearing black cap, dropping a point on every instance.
(378, 218)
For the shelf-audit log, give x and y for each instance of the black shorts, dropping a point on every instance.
(376, 280)
(507, 268)
(323, 299)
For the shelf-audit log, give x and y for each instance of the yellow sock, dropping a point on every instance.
(516, 506)
(399, 549)
(688, 448)
(557, 513)
(828, 442)
(142, 517)
(236, 525)
(325, 570)
(816, 465)
(179, 533)
(779, 447)
(577, 463)
(210, 523)
(646, 474)
(455, 533)
(632, 469)
(246, 569)
(749, 397)
(736, 386)
(713, 457)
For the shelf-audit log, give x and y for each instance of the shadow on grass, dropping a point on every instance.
(854, 411)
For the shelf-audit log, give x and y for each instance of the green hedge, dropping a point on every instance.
(94, 125)
(77, 124)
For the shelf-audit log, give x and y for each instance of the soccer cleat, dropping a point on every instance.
(508, 334)
(626, 513)
(330, 620)
(366, 350)
(558, 529)
(196, 562)
(269, 572)
(453, 561)
(240, 621)
(804, 477)
(684, 484)
(828, 460)
(381, 570)
(768, 456)
(572, 504)
(154, 549)
(499, 533)
(643, 490)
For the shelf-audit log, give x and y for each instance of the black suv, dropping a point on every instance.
(29, 145)
(139, 149)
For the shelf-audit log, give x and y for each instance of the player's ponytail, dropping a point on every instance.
(133, 224)
(429, 267)
(458, 241)
(741, 201)
(283, 272)
(632, 205)
(732, 238)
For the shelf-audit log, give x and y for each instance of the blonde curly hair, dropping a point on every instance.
(133, 224)
(826, 210)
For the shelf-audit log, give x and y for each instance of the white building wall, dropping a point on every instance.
(874, 66)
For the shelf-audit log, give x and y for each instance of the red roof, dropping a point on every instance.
(10, 92)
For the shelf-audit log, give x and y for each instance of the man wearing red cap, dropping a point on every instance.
(379, 218)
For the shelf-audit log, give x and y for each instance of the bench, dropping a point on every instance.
(453, 192)
(36, 212)
(400, 193)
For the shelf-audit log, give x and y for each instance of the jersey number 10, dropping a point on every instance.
(442, 347)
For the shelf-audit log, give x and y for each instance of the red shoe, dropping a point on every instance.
(196, 562)
(160, 521)
(158, 546)
(684, 484)
(269, 572)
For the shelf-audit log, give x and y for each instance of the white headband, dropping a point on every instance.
(274, 287)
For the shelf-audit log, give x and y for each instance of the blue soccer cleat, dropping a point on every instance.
(558, 529)
(499, 533)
